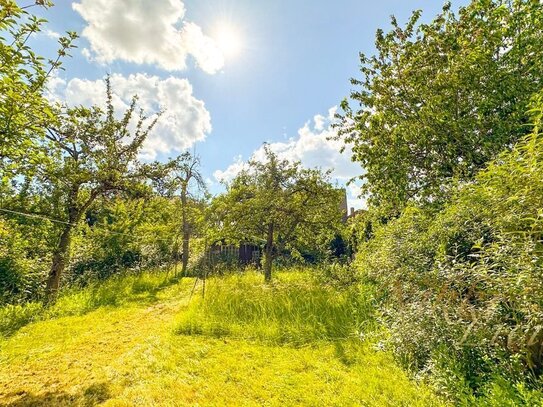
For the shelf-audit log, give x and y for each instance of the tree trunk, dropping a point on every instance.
(61, 256)
(186, 234)
(60, 259)
(186, 237)
(268, 260)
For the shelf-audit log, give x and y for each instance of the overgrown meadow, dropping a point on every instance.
(124, 281)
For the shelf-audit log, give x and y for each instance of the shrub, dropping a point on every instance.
(462, 288)
(21, 275)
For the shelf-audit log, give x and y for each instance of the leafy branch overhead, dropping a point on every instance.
(24, 111)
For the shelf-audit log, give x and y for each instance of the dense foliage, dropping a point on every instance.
(463, 286)
(450, 135)
(439, 100)
(118, 235)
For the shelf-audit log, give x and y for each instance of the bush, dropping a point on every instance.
(120, 235)
(21, 275)
(339, 275)
(462, 289)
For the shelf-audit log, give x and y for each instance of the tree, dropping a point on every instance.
(24, 111)
(175, 178)
(439, 100)
(278, 202)
(93, 154)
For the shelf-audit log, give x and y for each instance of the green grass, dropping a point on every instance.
(114, 292)
(154, 346)
(294, 310)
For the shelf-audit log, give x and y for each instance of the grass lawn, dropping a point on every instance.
(244, 344)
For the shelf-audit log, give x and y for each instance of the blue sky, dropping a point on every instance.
(234, 73)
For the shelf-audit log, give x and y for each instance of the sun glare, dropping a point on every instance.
(229, 40)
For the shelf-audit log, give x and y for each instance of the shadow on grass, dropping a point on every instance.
(115, 292)
(91, 396)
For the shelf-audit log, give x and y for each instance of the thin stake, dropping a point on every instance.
(193, 287)
(204, 284)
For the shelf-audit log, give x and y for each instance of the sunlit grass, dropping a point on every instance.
(113, 292)
(294, 309)
(133, 350)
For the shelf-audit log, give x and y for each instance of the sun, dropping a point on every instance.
(228, 40)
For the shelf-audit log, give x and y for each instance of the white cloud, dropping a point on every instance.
(146, 32)
(314, 146)
(87, 54)
(184, 121)
(51, 34)
(320, 121)
(205, 50)
(232, 171)
(354, 196)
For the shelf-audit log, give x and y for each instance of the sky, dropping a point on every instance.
(229, 75)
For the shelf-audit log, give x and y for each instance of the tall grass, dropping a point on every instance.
(295, 309)
(115, 291)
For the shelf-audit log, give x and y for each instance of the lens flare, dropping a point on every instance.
(228, 40)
